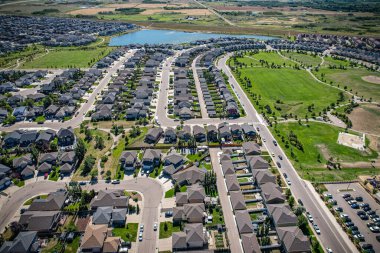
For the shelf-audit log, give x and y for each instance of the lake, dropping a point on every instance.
(171, 37)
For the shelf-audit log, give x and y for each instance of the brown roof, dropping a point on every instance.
(250, 243)
(111, 244)
(112, 198)
(232, 183)
(237, 200)
(293, 239)
(94, 236)
(243, 221)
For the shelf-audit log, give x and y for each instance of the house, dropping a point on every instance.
(272, 193)
(193, 237)
(236, 132)
(185, 113)
(293, 240)
(42, 222)
(189, 176)
(21, 162)
(28, 138)
(212, 133)
(5, 182)
(249, 131)
(185, 133)
(228, 167)
(257, 163)
(128, 160)
(66, 137)
(251, 148)
(250, 243)
(102, 215)
(44, 168)
(4, 169)
(199, 133)
(232, 183)
(50, 158)
(113, 198)
(263, 176)
(194, 194)
(224, 133)
(67, 157)
(243, 222)
(12, 139)
(153, 135)
(174, 159)
(28, 172)
(170, 135)
(237, 200)
(54, 202)
(25, 242)
(151, 159)
(191, 213)
(282, 215)
(93, 238)
(66, 168)
(45, 137)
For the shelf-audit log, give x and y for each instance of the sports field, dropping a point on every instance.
(289, 90)
(319, 141)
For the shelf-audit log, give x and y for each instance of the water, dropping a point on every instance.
(171, 37)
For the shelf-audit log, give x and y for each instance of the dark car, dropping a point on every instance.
(353, 228)
(360, 212)
(278, 164)
(371, 212)
(300, 202)
(355, 206)
(378, 238)
(366, 246)
(359, 198)
(285, 176)
(349, 224)
(168, 214)
(363, 217)
(367, 208)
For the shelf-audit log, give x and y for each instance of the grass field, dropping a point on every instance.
(320, 141)
(65, 58)
(305, 59)
(288, 90)
(366, 118)
(352, 78)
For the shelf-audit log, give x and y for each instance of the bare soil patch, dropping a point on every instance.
(90, 11)
(371, 79)
(365, 118)
(193, 12)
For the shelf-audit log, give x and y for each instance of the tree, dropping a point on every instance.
(80, 150)
(99, 142)
(137, 209)
(89, 163)
(291, 201)
(165, 226)
(302, 222)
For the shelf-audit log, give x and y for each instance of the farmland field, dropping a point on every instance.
(319, 142)
(288, 90)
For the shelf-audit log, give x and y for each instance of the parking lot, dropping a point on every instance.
(338, 190)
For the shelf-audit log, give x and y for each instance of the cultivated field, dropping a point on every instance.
(319, 143)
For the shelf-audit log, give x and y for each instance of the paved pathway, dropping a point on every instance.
(202, 103)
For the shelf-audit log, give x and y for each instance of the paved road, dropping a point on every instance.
(229, 217)
(202, 103)
(150, 189)
(332, 235)
(251, 116)
(216, 13)
(82, 111)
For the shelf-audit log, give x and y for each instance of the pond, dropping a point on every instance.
(171, 37)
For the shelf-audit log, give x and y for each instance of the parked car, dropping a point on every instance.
(289, 182)
(360, 237)
(280, 156)
(309, 217)
(338, 209)
(316, 228)
(274, 142)
(300, 202)
(140, 236)
(359, 198)
(363, 217)
(375, 229)
(278, 164)
(355, 206)
(168, 214)
(155, 226)
(285, 176)
(329, 250)
(142, 228)
(115, 181)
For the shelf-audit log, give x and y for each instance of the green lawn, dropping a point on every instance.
(170, 229)
(289, 90)
(270, 58)
(217, 217)
(320, 140)
(193, 158)
(305, 59)
(352, 78)
(170, 193)
(129, 233)
(64, 58)
(155, 174)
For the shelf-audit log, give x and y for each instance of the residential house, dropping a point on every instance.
(113, 198)
(153, 135)
(128, 160)
(151, 159)
(199, 133)
(25, 242)
(193, 237)
(251, 148)
(66, 137)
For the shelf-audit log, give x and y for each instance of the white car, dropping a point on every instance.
(264, 140)
(155, 226)
(140, 236)
(316, 228)
(329, 250)
(289, 182)
(273, 155)
(142, 228)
